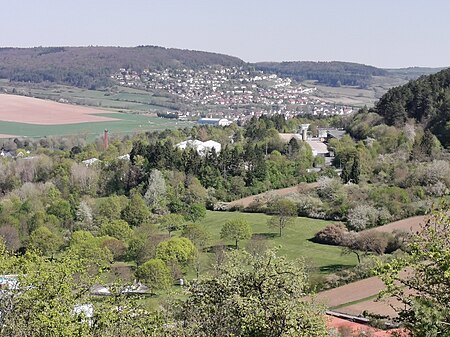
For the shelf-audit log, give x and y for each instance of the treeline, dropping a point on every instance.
(329, 73)
(425, 100)
(252, 160)
(91, 67)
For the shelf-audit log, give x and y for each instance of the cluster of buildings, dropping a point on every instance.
(231, 92)
(202, 148)
(318, 142)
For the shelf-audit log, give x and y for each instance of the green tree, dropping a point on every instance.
(155, 274)
(197, 234)
(236, 229)
(260, 295)
(178, 250)
(171, 222)
(110, 208)
(355, 171)
(62, 210)
(45, 241)
(89, 248)
(136, 212)
(420, 279)
(195, 212)
(284, 212)
(118, 229)
(52, 298)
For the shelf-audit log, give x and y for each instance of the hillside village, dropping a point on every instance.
(231, 92)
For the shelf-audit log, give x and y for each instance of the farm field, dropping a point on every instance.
(409, 225)
(294, 242)
(359, 296)
(352, 293)
(29, 117)
(125, 124)
(354, 96)
(120, 99)
(22, 109)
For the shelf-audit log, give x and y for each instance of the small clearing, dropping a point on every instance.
(245, 202)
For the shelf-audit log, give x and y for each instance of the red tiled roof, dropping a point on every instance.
(334, 323)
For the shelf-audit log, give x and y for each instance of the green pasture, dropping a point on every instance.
(121, 99)
(295, 241)
(126, 123)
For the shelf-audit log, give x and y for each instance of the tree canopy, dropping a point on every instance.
(236, 229)
(252, 295)
(420, 279)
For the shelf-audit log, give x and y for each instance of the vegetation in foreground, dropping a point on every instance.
(419, 279)
(120, 215)
(245, 295)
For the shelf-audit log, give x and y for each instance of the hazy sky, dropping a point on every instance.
(384, 33)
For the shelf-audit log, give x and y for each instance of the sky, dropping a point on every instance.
(382, 33)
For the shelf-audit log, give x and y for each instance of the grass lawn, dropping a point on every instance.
(126, 123)
(294, 241)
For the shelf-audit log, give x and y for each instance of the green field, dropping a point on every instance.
(126, 123)
(119, 99)
(294, 241)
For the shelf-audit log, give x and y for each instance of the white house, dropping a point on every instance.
(214, 121)
(202, 148)
(90, 161)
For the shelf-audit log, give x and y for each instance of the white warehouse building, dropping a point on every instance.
(202, 148)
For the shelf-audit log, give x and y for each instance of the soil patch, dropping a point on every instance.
(245, 202)
(22, 109)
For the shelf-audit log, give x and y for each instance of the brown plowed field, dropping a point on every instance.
(355, 291)
(21, 109)
(245, 202)
(351, 292)
(6, 136)
(380, 307)
(409, 224)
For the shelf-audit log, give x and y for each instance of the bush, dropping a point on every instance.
(155, 274)
(362, 217)
(333, 234)
(310, 207)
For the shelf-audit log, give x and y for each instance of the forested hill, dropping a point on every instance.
(427, 100)
(92, 66)
(328, 73)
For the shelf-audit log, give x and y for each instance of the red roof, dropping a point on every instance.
(334, 323)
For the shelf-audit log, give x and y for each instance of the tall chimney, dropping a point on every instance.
(105, 139)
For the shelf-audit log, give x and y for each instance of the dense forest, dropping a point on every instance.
(328, 73)
(425, 100)
(91, 67)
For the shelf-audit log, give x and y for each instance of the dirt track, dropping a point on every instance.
(245, 202)
(21, 109)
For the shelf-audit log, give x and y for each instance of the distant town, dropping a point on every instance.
(234, 93)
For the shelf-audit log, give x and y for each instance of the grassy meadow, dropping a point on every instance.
(294, 242)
